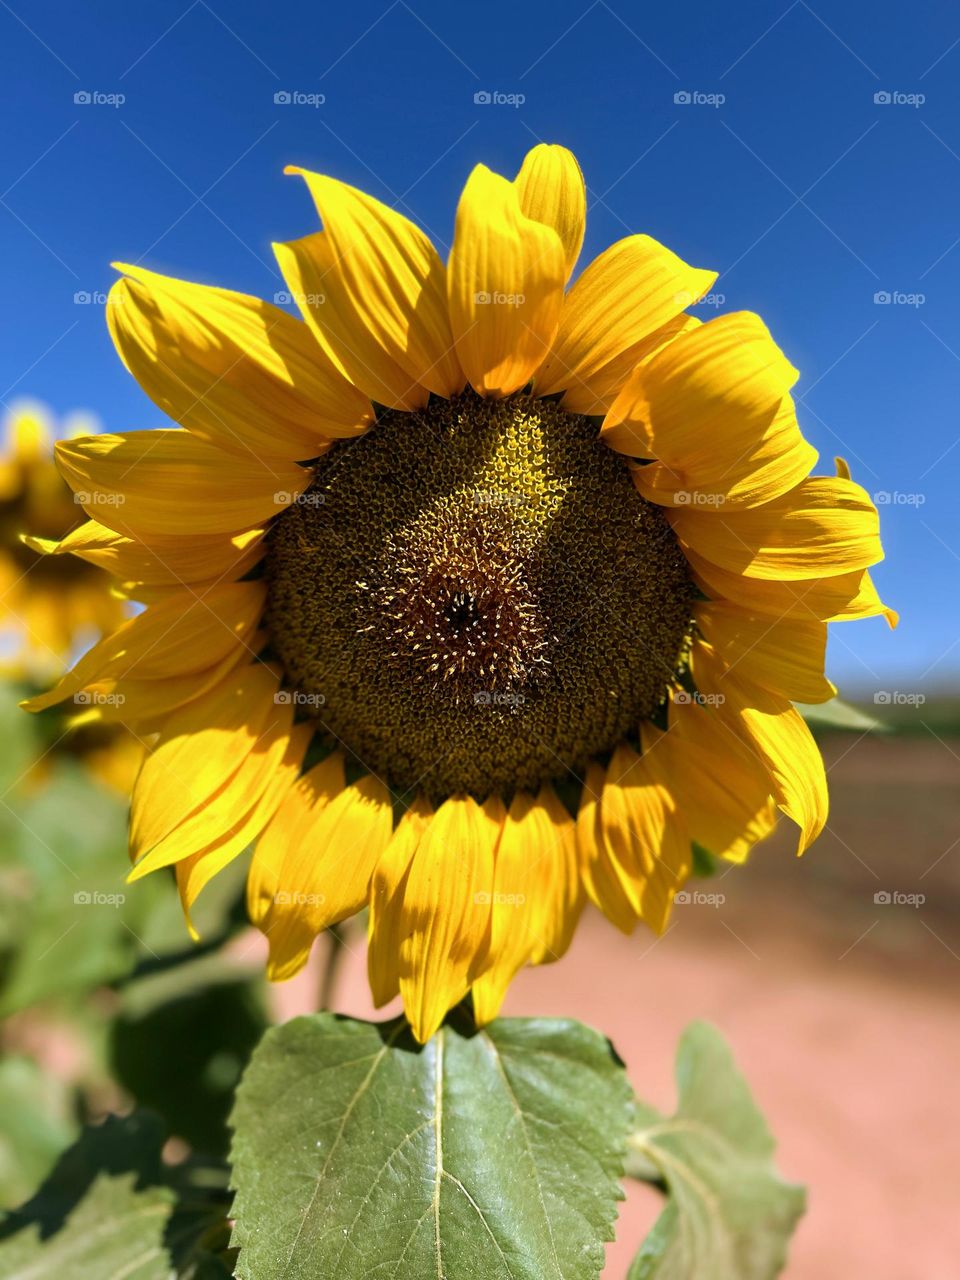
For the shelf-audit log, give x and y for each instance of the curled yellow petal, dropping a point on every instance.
(552, 191)
(505, 286)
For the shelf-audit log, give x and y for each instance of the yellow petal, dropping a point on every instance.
(622, 297)
(228, 810)
(235, 370)
(601, 881)
(387, 287)
(386, 901)
(837, 599)
(199, 749)
(596, 393)
(195, 872)
(721, 789)
(179, 636)
(141, 483)
(821, 528)
(785, 655)
(325, 869)
(446, 911)
(162, 560)
(552, 191)
(505, 285)
(536, 897)
(776, 734)
(305, 799)
(712, 408)
(308, 265)
(646, 842)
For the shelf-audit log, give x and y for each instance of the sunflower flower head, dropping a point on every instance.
(472, 594)
(49, 607)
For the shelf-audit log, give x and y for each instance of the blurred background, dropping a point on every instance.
(811, 155)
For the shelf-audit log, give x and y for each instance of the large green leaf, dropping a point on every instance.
(482, 1155)
(112, 1210)
(729, 1215)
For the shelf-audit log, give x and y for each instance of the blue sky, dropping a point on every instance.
(783, 171)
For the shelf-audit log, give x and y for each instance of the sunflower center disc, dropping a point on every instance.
(475, 598)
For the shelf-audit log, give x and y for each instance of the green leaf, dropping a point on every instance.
(837, 714)
(112, 1210)
(36, 1124)
(93, 1220)
(729, 1215)
(181, 1040)
(68, 920)
(483, 1154)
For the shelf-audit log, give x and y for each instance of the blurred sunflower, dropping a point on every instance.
(50, 609)
(458, 555)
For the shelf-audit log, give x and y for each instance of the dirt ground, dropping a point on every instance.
(840, 1006)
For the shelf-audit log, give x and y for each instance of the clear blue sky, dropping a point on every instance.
(807, 195)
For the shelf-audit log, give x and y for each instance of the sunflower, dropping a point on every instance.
(51, 609)
(469, 595)
(47, 607)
